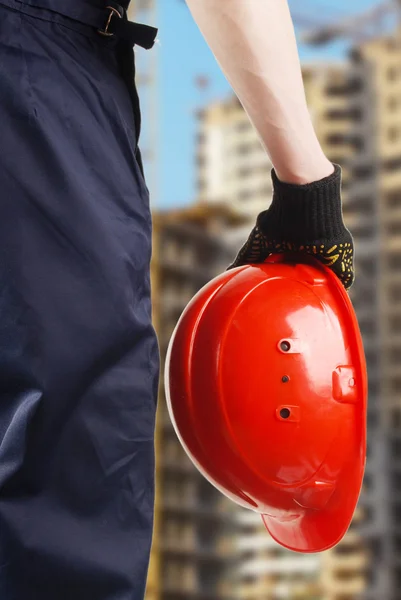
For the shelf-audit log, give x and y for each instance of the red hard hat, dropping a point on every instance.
(266, 387)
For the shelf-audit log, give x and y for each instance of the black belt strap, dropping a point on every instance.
(117, 24)
(110, 20)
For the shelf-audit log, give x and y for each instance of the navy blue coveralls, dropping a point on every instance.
(79, 359)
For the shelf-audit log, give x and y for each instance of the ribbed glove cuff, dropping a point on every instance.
(304, 212)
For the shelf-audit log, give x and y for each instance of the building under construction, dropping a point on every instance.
(191, 246)
(374, 214)
(192, 554)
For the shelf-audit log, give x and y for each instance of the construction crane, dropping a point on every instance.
(146, 11)
(370, 22)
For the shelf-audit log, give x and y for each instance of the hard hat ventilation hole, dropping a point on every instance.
(285, 378)
(285, 346)
(285, 413)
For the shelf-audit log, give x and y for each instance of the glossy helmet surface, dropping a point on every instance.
(266, 387)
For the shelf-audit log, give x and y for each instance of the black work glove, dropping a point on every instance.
(303, 219)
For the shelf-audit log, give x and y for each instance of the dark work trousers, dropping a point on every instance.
(79, 359)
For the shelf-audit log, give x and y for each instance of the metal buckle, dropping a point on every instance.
(105, 31)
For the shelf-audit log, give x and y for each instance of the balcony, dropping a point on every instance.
(365, 157)
(392, 214)
(356, 219)
(356, 562)
(177, 590)
(263, 590)
(190, 507)
(365, 249)
(221, 550)
(280, 565)
(174, 301)
(393, 340)
(260, 541)
(366, 313)
(363, 191)
(183, 544)
(177, 465)
(352, 587)
(392, 181)
(248, 518)
(200, 274)
(370, 341)
(297, 591)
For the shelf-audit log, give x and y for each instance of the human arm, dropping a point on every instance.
(254, 43)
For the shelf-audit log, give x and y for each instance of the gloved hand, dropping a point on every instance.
(306, 219)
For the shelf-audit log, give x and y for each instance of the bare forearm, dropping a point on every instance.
(254, 44)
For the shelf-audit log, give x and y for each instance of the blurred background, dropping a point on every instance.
(209, 177)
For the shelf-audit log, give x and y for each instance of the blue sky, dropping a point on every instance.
(183, 55)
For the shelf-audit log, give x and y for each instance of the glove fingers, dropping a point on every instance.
(337, 256)
(253, 251)
(340, 259)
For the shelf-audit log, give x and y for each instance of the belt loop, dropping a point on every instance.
(116, 11)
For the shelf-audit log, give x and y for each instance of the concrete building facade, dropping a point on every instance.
(192, 554)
